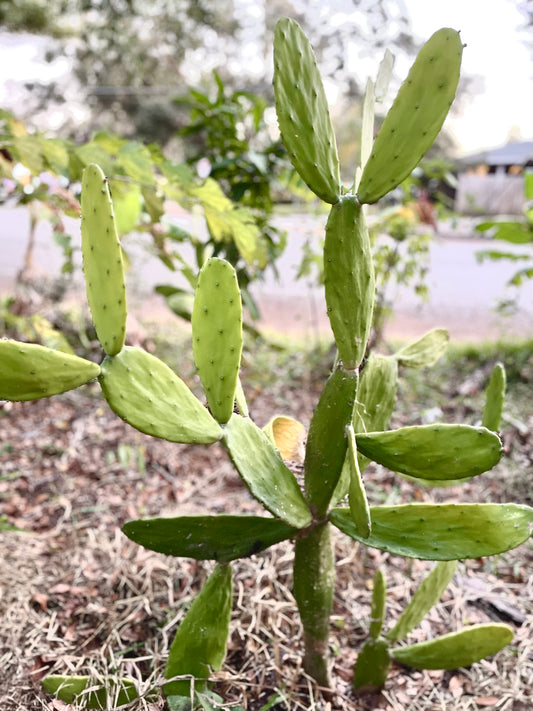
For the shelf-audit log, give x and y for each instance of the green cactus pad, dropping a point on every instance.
(377, 610)
(102, 261)
(217, 335)
(149, 396)
(264, 473)
(494, 399)
(415, 117)
(376, 397)
(357, 495)
(105, 693)
(442, 531)
(349, 279)
(221, 538)
(29, 371)
(372, 666)
(199, 646)
(440, 452)
(427, 595)
(457, 649)
(303, 113)
(326, 442)
(426, 351)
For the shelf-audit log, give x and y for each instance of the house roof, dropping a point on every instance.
(514, 153)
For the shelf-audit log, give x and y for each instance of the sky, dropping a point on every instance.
(494, 53)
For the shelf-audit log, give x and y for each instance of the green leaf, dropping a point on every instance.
(92, 152)
(28, 150)
(199, 645)
(372, 666)
(126, 208)
(147, 394)
(427, 595)
(263, 471)
(56, 154)
(433, 452)
(29, 371)
(442, 531)
(154, 203)
(426, 350)
(222, 538)
(136, 161)
(377, 611)
(93, 694)
(457, 649)
(509, 231)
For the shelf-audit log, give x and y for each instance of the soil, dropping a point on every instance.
(77, 597)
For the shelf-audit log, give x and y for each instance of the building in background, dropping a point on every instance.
(492, 182)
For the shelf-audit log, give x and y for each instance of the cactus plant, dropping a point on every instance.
(449, 651)
(348, 429)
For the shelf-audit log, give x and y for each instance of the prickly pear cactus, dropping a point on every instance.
(102, 261)
(349, 425)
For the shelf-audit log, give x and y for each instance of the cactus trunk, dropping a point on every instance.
(314, 581)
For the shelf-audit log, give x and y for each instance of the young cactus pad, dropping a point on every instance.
(457, 649)
(494, 399)
(217, 335)
(357, 495)
(415, 117)
(29, 371)
(200, 642)
(149, 396)
(349, 279)
(426, 350)
(90, 693)
(303, 113)
(102, 261)
(428, 594)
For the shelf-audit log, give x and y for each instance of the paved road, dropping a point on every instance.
(463, 293)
